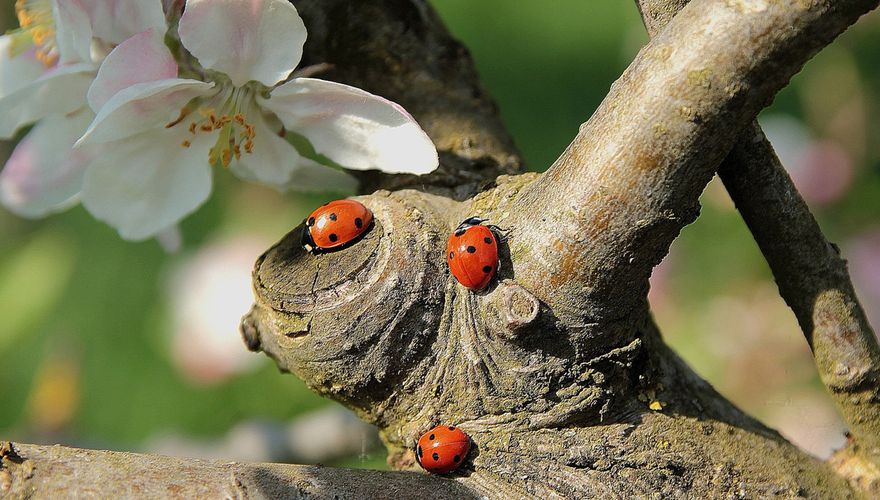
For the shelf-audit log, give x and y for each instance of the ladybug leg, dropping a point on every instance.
(307, 241)
(502, 234)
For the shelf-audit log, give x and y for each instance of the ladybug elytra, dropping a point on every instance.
(472, 254)
(335, 224)
(442, 449)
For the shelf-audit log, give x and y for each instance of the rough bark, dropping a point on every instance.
(557, 371)
(31, 471)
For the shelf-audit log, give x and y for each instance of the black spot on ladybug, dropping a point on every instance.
(451, 428)
(456, 459)
(333, 237)
(431, 437)
(311, 221)
(419, 451)
(487, 269)
(460, 232)
(471, 249)
(333, 217)
(436, 457)
(359, 223)
(488, 240)
(451, 254)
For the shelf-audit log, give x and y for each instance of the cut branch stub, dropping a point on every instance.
(345, 321)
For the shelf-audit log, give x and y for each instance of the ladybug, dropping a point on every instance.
(335, 224)
(442, 449)
(472, 253)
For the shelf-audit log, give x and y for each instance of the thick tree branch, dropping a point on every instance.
(34, 471)
(401, 50)
(608, 209)
(812, 276)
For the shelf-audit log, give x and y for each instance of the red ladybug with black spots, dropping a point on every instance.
(335, 224)
(472, 253)
(442, 449)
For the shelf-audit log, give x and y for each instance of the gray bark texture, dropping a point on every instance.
(557, 371)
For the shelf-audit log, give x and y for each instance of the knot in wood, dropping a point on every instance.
(512, 309)
(351, 322)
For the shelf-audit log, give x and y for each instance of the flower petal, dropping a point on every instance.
(114, 21)
(258, 40)
(19, 71)
(61, 90)
(147, 183)
(73, 31)
(352, 127)
(276, 163)
(143, 106)
(142, 58)
(44, 174)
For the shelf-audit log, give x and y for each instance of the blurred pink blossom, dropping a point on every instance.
(822, 170)
(209, 292)
(863, 253)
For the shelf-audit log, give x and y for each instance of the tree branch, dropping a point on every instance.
(34, 471)
(814, 282)
(401, 50)
(606, 212)
(811, 275)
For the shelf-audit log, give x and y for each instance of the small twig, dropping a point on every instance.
(814, 282)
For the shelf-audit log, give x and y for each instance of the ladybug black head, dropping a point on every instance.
(469, 222)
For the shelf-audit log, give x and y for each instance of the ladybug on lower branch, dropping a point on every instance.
(442, 449)
(472, 253)
(335, 224)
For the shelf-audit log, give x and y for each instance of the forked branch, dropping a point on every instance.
(810, 272)
(630, 180)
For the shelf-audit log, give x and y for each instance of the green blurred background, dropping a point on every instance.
(105, 343)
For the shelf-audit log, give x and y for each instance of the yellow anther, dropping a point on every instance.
(37, 30)
(225, 114)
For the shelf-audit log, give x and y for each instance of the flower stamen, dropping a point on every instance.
(225, 113)
(37, 30)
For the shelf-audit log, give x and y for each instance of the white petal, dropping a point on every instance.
(61, 90)
(352, 127)
(44, 174)
(19, 71)
(146, 184)
(143, 106)
(114, 21)
(73, 31)
(142, 58)
(276, 163)
(258, 40)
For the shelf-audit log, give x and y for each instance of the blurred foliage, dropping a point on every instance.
(71, 290)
